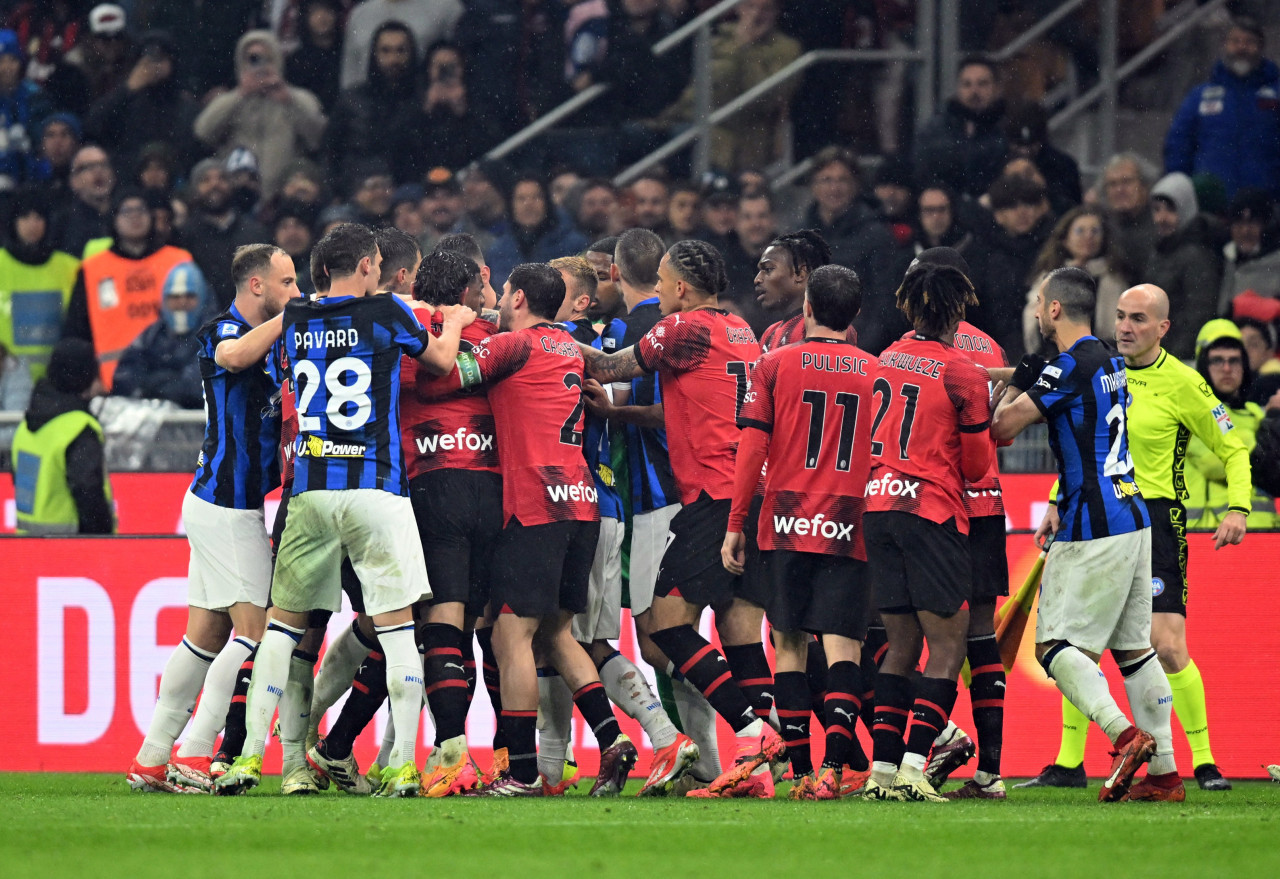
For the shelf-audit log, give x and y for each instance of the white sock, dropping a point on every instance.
(915, 761)
(627, 688)
(270, 676)
(404, 688)
(388, 742)
(341, 661)
(295, 710)
(699, 721)
(946, 733)
(180, 684)
(882, 773)
(1085, 686)
(1151, 701)
(219, 685)
(555, 724)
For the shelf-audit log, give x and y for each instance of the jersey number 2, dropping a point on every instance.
(569, 433)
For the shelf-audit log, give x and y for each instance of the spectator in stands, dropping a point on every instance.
(1230, 126)
(215, 229)
(443, 128)
(1222, 361)
(756, 226)
(88, 214)
(516, 83)
(292, 233)
(683, 210)
(428, 20)
(1260, 344)
(1002, 257)
(1026, 128)
(161, 363)
(370, 187)
(155, 168)
(963, 147)
(650, 198)
(358, 125)
(206, 32)
(486, 186)
(720, 198)
(752, 180)
(58, 141)
(535, 234)
(592, 205)
(60, 475)
(1251, 259)
(895, 192)
(440, 206)
(562, 180)
(244, 179)
(149, 106)
(117, 293)
(273, 119)
(304, 182)
(1182, 264)
(939, 225)
(406, 215)
(1126, 194)
(35, 286)
(1082, 239)
(162, 215)
(315, 64)
(48, 30)
(104, 54)
(744, 52)
(643, 84)
(858, 239)
(22, 107)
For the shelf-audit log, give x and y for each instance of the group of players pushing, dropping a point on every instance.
(852, 499)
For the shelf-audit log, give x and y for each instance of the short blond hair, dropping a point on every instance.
(577, 268)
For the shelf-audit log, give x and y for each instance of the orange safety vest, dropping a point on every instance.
(124, 299)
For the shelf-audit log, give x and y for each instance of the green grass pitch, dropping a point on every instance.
(92, 825)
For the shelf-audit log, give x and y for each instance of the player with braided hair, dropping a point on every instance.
(703, 356)
(784, 270)
(930, 436)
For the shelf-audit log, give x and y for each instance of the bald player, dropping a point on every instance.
(1171, 403)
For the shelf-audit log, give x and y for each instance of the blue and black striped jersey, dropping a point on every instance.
(238, 464)
(344, 357)
(1084, 396)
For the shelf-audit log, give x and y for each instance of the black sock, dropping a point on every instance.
(704, 667)
(469, 667)
(233, 733)
(368, 692)
(791, 693)
(446, 679)
(815, 670)
(873, 650)
(844, 700)
(894, 695)
(986, 693)
(492, 682)
(935, 697)
(596, 709)
(518, 731)
(751, 672)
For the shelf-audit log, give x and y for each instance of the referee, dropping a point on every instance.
(1171, 403)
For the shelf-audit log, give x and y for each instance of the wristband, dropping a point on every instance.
(1027, 371)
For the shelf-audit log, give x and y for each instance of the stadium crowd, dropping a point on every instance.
(191, 189)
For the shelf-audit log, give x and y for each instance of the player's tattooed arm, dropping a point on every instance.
(490, 314)
(616, 367)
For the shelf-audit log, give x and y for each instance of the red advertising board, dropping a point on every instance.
(92, 622)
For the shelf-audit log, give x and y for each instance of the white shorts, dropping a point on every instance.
(230, 555)
(1096, 594)
(648, 543)
(602, 620)
(373, 528)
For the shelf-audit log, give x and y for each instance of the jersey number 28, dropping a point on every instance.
(341, 396)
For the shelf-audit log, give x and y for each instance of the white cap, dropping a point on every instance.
(106, 19)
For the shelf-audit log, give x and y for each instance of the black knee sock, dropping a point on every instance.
(815, 671)
(704, 667)
(492, 682)
(873, 650)
(935, 697)
(894, 697)
(368, 692)
(751, 672)
(233, 733)
(469, 667)
(844, 700)
(791, 693)
(986, 692)
(518, 730)
(446, 679)
(596, 709)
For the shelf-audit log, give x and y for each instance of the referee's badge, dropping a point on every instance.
(1157, 586)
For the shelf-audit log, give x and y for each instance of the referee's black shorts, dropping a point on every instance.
(1168, 556)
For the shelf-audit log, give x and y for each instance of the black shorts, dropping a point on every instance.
(316, 619)
(1168, 556)
(459, 514)
(988, 551)
(756, 584)
(821, 594)
(916, 564)
(691, 566)
(540, 570)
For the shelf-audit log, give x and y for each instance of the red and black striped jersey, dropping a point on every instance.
(982, 498)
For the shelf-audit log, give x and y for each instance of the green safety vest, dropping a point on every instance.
(42, 497)
(33, 301)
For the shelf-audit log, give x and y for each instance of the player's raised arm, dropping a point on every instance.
(440, 355)
(236, 355)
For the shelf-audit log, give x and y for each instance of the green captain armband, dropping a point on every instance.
(469, 370)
